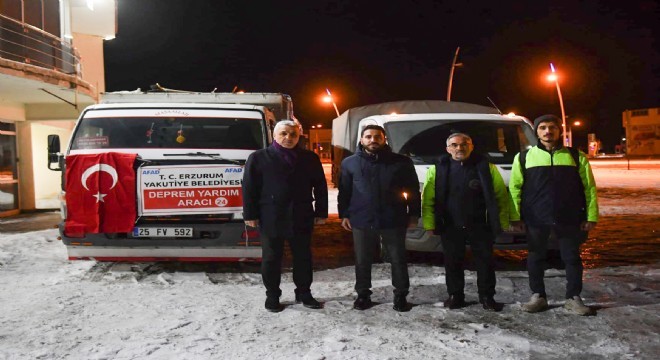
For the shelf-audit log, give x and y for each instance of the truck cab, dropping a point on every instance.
(190, 150)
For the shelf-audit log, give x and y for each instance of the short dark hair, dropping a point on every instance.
(373, 127)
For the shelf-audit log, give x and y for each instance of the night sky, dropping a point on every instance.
(606, 52)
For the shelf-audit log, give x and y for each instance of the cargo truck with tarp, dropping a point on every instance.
(157, 176)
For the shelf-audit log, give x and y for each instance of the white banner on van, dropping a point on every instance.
(189, 189)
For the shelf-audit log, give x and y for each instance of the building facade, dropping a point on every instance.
(51, 67)
(642, 131)
(319, 141)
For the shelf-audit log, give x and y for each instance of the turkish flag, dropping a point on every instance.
(100, 193)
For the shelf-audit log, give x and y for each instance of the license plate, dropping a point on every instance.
(162, 232)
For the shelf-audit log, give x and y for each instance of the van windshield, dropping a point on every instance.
(169, 132)
(424, 141)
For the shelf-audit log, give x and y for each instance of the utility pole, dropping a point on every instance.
(454, 65)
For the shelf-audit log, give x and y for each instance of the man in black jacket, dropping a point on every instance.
(378, 199)
(465, 201)
(277, 197)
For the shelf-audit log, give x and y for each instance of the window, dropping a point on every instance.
(8, 168)
(642, 112)
(501, 141)
(169, 132)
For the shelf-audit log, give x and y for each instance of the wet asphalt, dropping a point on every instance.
(30, 221)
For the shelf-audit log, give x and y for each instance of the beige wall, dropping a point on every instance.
(47, 185)
(642, 132)
(25, 165)
(91, 57)
(12, 112)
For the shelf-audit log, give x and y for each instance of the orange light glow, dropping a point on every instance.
(552, 77)
(577, 123)
(327, 99)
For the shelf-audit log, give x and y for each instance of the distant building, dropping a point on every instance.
(642, 131)
(319, 141)
(51, 67)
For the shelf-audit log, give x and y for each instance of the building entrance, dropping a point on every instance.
(8, 170)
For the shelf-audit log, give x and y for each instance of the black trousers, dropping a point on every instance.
(271, 263)
(569, 238)
(454, 240)
(365, 242)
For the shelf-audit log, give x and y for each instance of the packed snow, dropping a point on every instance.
(52, 308)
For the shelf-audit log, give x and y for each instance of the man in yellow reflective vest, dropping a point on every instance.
(554, 194)
(465, 202)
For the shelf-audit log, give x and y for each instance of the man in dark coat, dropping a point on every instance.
(284, 195)
(465, 201)
(378, 199)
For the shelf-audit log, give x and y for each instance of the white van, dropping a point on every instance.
(419, 129)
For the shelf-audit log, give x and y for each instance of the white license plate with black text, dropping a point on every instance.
(162, 232)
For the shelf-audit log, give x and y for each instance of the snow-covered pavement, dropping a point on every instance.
(51, 308)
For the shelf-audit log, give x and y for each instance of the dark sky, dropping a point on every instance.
(367, 52)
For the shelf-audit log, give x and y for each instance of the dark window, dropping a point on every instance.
(52, 17)
(8, 168)
(169, 132)
(643, 112)
(12, 9)
(425, 141)
(34, 12)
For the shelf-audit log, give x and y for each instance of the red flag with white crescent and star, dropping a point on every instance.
(100, 193)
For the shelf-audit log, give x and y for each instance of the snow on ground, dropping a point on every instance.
(627, 192)
(51, 308)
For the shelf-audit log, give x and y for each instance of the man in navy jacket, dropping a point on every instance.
(285, 194)
(378, 199)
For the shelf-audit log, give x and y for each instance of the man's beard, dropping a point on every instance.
(369, 149)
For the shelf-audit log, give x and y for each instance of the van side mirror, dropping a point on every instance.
(54, 155)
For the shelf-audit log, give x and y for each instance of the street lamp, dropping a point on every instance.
(329, 99)
(570, 131)
(317, 145)
(553, 77)
(454, 65)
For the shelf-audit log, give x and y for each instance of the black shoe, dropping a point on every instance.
(308, 301)
(362, 303)
(454, 302)
(401, 304)
(273, 304)
(490, 304)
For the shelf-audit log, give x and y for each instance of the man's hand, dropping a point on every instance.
(252, 223)
(346, 224)
(412, 222)
(587, 225)
(319, 221)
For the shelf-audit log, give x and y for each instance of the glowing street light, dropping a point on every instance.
(329, 99)
(570, 131)
(553, 77)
